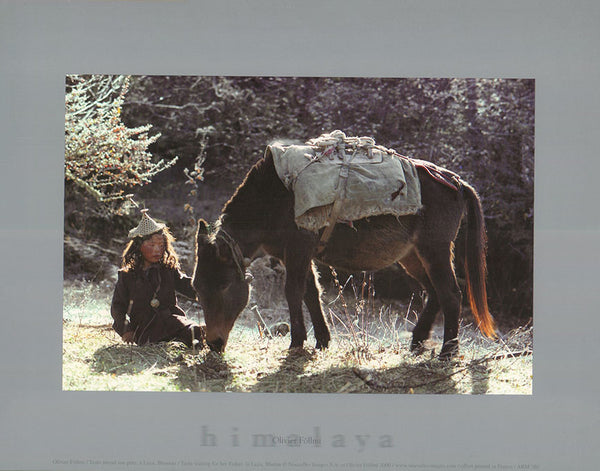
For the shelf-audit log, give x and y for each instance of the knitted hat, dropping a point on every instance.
(147, 226)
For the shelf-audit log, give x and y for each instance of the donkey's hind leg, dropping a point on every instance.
(438, 265)
(311, 299)
(422, 330)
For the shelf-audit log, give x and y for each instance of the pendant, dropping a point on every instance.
(155, 302)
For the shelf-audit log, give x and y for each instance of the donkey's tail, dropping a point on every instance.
(475, 262)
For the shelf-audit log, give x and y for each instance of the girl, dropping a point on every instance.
(144, 306)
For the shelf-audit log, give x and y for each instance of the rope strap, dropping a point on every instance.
(236, 252)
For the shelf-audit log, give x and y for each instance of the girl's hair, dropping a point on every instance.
(134, 260)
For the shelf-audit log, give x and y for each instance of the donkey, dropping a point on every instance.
(260, 215)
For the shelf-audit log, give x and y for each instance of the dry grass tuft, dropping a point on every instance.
(95, 359)
(368, 354)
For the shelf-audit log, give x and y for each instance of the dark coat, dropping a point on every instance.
(152, 324)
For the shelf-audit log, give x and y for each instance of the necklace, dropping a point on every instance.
(154, 302)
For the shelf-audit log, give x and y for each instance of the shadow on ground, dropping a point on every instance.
(188, 370)
(208, 371)
(420, 378)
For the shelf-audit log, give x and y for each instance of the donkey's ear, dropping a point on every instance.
(202, 228)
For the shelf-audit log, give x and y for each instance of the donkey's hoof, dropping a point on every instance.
(449, 351)
(417, 347)
(295, 352)
(323, 337)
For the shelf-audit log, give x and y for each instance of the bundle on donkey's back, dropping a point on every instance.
(264, 214)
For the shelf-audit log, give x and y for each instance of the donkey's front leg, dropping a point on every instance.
(294, 292)
(297, 265)
(313, 303)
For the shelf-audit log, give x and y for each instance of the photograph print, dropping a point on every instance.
(298, 234)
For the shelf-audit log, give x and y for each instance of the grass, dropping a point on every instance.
(368, 354)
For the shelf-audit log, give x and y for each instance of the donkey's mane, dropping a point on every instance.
(248, 185)
(260, 188)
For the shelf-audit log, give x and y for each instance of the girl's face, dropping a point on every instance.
(153, 249)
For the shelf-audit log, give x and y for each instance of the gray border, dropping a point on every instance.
(554, 42)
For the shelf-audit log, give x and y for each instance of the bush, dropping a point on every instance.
(103, 156)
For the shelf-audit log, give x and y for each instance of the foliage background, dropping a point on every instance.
(482, 129)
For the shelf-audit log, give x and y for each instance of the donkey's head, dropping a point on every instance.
(221, 283)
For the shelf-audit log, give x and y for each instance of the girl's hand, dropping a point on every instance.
(127, 337)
